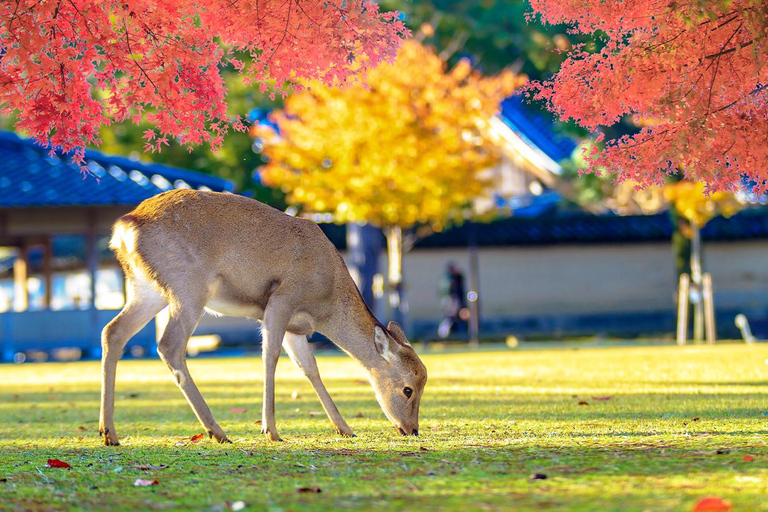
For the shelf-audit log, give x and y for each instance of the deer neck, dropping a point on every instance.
(352, 329)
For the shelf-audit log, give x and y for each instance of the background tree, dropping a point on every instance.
(68, 68)
(493, 33)
(695, 70)
(407, 150)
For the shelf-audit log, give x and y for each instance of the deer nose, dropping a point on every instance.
(415, 431)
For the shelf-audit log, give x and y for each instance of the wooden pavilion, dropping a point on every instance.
(55, 221)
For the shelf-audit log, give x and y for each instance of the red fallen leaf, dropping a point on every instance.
(309, 489)
(197, 438)
(56, 463)
(711, 504)
(140, 482)
(583, 403)
(237, 410)
(748, 458)
(602, 398)
(423, 449)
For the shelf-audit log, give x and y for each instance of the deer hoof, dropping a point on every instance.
(220, 437)
(110, 439)
(273, 436)
(346, 433)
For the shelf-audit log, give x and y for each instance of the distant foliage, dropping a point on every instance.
(694, 73)
(69, 67)
(410, 148)
(697, 207)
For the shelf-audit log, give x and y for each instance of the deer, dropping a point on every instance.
(195, 251)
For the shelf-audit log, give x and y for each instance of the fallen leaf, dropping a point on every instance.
(257, 422)
(56, 463)
(423, 448)
(309, 489)
(133, 395)
(238, 410)
(748, 458)
(81, 428)
(583, 403)
(315, 413)
(539, 476)
(197, 438)
(711, 504)
(359, 415)
(150, 467)
(602, 398)
(140, 482)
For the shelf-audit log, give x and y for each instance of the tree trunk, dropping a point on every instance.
(696, 285)
(397, 297)
(364, 246)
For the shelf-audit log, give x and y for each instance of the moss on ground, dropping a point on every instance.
(654, 428)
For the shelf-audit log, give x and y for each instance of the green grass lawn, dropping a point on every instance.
(677, 427)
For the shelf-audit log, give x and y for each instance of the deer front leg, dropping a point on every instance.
(114, 337)
(172, 349)
(300, 352)
(272, 334)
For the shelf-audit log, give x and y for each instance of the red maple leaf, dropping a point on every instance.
(56, 463)
(67, 69)
(711, 504)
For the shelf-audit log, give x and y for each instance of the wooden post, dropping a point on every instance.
(20, 271)
(48, 271)
(473, 296)
(709, 308)
(682, 309)
(92, 256)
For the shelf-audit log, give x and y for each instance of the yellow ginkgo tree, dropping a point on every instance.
(408, 149)
(691, 202)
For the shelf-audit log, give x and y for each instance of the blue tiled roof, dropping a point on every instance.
(536, 129)
(581, 228)
(30, 177)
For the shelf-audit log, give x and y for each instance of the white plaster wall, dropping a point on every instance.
(572, 279)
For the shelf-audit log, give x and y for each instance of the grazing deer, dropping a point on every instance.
(195, 251)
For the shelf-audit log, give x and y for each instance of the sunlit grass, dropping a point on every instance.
(489, 421)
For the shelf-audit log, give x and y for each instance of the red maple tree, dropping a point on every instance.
(69, 67)
(693, 72)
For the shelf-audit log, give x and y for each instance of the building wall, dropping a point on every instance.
(586, 279)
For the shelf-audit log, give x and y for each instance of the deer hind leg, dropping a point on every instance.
(300, 352)
(145, 304)
(172, 348)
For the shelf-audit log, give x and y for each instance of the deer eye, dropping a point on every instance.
(408, 392)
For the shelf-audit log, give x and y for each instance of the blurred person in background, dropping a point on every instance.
(453, 302)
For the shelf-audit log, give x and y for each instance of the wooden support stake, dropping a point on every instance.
(682, 309)
(709, 308)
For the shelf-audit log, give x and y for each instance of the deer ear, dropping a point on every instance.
(382, 343)
(398, 333)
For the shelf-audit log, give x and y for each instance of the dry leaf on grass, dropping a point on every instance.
(56, 463)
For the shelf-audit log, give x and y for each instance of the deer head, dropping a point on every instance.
(399, 380)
